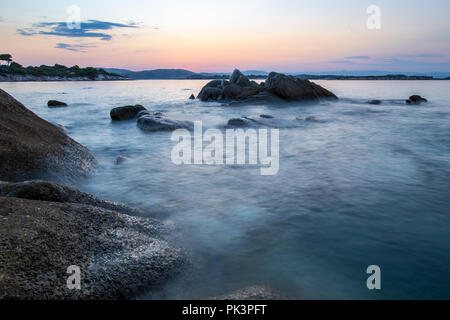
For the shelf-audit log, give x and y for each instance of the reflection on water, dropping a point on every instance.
(366, 184)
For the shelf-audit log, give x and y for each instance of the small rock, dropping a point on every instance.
(416, 99)
(192, 97)
(237, 122)
(55, 104)
(375, 102)
(121, 159)
(266, 116)
(158, 122)
(126, 113)
(311, 118)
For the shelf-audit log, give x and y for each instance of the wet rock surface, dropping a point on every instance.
(119, 255)
(254, 293)
(32, 148)
(156, 121)
(49, 191)
(126, 112)
(277, 88)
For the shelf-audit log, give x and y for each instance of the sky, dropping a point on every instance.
(218, 36)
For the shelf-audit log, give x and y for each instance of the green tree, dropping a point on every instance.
(6, 57)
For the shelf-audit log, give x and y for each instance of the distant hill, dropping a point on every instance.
(153, 74)
(257, 74)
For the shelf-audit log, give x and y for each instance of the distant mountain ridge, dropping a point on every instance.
(187, 74)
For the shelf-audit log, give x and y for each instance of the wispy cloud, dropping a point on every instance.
(358, 58)
(423, 55)
(341, 61)
(74, 47)
(88, 29)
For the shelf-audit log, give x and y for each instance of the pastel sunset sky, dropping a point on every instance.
(217, 36)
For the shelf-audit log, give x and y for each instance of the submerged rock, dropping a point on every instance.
(126, 112)
(121, 159)
(32, 148)
(375, 102)
(159, 122)
(55, 104)
(415, 99)
(254, 293)
(277, 88)
(119, 256)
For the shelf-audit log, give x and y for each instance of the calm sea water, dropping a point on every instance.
(367, 184)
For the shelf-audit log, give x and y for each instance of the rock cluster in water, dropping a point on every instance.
(278, 87)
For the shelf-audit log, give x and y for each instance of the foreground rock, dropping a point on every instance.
(416, 100)
(278, 87)
(126, 113)
(55, 104)
(32, 148)
(254, 293)
(151, 122)
(119, 256)
(49, 191)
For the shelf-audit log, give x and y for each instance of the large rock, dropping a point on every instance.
(126, 113)
(159, 122)
(49, 191)
(119, 256)
(32, 148)
(291, 88)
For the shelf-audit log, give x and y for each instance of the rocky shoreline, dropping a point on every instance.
(32, 78)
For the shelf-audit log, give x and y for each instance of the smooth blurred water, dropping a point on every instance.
(366, 184)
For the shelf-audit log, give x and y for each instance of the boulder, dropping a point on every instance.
(192, 97)
(210, 94)
(56, 104)
(291, 88)
(119, 256)
(416, 99)
(32, 148)
(159, 122)
(49, 191)
(126, 113)
(239, 79)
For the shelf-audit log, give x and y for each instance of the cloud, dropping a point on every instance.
(341, 61)
(423, 55)
(74, 47)
(88, 29)
(358, 57)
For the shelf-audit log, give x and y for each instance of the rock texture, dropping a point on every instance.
(49, 191)
(32, 148)
(126, 113)
(277, 88)
(157, 121)
(255, 293)
(119, 255)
